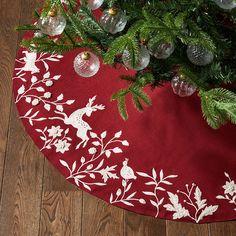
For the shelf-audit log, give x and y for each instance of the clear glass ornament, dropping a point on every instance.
(86, 64)
(226, 4)
(113, 20)
(52, 25)
(143, 60)
(182, 87)
(161, 50)
(93, 4)
(199, 56)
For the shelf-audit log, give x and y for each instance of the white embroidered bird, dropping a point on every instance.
(126, 172)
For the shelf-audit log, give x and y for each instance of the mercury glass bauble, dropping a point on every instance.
(161, 50)
(226, 4)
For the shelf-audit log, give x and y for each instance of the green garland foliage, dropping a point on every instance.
(181, 22)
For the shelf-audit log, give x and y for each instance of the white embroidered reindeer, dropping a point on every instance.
(76, 120)
(29, 62)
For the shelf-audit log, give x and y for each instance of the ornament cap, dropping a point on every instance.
(52, 12)
(113, 11)
(85, 56)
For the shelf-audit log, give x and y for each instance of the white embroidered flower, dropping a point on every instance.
(49, 83)
(92, 151)
(47, 95)
(34, 79)
(230, 188)
(62, 146)
(55, 131)
(35, 102)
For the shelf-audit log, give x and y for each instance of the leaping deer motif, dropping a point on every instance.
(76, 120)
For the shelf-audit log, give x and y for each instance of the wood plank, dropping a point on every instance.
(61, 213)
(137, 225)
(186, 229)
(100, 218)
(223, 229)
(22, 185)
(54, 181)
(9, 17)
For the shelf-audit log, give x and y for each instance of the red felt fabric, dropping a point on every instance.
(178, 168)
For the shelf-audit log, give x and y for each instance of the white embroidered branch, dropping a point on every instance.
(229, 191)
(156, 183)
(88, 168)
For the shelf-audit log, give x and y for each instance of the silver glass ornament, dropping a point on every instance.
(161, 50)
(199, 55)
(52, 25)
(182, 87)
(226, 4)
(86, 64)
(94, 4)
(113, 20)
(143, 60)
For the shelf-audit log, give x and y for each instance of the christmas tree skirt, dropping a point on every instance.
(166, 162)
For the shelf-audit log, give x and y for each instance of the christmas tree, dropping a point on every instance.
(191, 44)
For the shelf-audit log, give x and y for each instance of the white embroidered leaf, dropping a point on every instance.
(161, 201)
(226, 174)
(86, 186)
(73, 166)
(172, 176)
(127, 203)
(47, 75)
(40, 119)
(28, 99)
(64, 164)
(21, 90)
(99, 165)
(125, 143)
(108, 153)
(67, 131)
(210, 210)
(149, 193)
(151, 183)
(92, 176)
(117, 150)
(69, 102)
(118, 134)
(111, 198)
(40, 89)
(34, 115)
(59, 108)
(154, 174)
(131, 195)
(154, 203)
(166, 182)
(104, 134)
(96, 143)
(31, 122)
(220, 197)
(38, 130)
(82, 160)
(142, 174)
(161, 189)
(76, 181)
(198, 196)
(118, 192)
(99, 184)
(47, 107)
(80, 176)
(174, 199)
(52, 59)
(60, 97)
(161, 174)
(89, 167)
(128, 187)
(43, 138)
(93, 135)
(45, 65)
(28, 112)
(57, 77)
(169, 207)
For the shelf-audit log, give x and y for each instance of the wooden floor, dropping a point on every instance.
(34, 198)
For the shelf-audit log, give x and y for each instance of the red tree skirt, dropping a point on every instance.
(165, 163)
